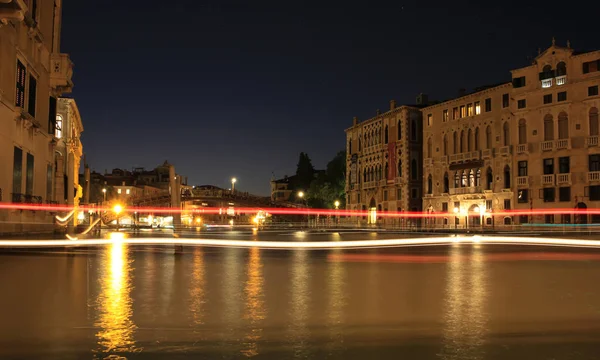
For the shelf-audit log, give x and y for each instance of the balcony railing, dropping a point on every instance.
(522, 180)
(399, 180)
(548, 179)
(466, 190)
(456, 157)
(383, 182)
(26, 199)
(563, 144)
(61, 72)
(475, 155)
(561, 80)
(563, 179)
(443, 159)
(522, 149)
(591, 141)
(546, 83)
(594, 176)
(504, 151)
(547, 145)
(428, 161)
(487, 153)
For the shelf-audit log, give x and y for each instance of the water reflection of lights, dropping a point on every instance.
(337, 301)
(114, 302)
(465, 319)
(299, 295)
(197, 292)
(255, 311)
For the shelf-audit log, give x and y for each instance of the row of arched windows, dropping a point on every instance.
(470, 178)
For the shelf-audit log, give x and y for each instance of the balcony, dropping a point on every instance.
(504, 151)
(523, 181)
(548, 179)
(466, 190)
(26, 199)
(487, 153)
(563, 144)
(61, 73)
(522, 149)
(382, 182)
(546, 83)
(594, 176)
(591, 141)
(563, 179)
(547, 145)
(443, 160)
(561, 80)
(428, 161)
(475, 155)
(456, 158)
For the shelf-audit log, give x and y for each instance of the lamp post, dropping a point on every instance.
(117, 210)
(233, 181)
(104, 194)
(455, 217)
(300, 194)
(337, 215)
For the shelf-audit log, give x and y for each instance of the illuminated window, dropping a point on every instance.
(118, 191)
(445, 115)
(429, 119)
(455, 113)
(463, 111)
(58, 128)
(469, 109)
(127, 191)
(477, 108)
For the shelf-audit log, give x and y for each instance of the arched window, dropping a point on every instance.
(477, 138)
(364, 175)
(399, 129)
(455, 142)
(371, 174)
(489, 179)
(594, 122)
(462, 141)
(547, 72)
(561, 69)
(469, 139)
(478, 178)
(522, 132)
(387, 169)
(429, 148)
(377, 173)
(464, 182)
(414, 174)
(380, 173)
(488, 137)
(350, 146)
(58, 133)
(456, 179)
(563, 126)
(446, 183)
(400, 168)
(445, 145)
(413, 130)
(359, 144)
(506, 134)
(386, 134)
(548, 128)
(507, 177)
(429, 184)
(472, 178)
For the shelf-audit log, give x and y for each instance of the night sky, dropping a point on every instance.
(222, 88)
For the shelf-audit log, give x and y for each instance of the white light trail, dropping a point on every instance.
(352, 244)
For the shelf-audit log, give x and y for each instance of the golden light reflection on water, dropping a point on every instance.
(336, 281)
(114, 301)
(197, 292)
(255, 309)
(465, 318)
(299, 296)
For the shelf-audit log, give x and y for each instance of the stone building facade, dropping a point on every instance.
(384, 162)
(33, 75)
(526, 145)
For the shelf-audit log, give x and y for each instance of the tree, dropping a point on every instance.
(305, 173)
(330, 186)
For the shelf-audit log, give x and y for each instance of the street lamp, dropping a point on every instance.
(455, 217)
(300, 194)
(233, 181)
(117, 209)
(337, 215)
(104, 192)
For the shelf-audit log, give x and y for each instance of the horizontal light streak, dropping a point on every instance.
(292, 211)
(351, 244)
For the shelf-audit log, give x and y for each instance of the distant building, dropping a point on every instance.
(33, 75)
(281, 190)
(68, 153)
(384, 161)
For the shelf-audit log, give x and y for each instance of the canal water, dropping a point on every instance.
(465, 301)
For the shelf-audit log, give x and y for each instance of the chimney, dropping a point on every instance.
(422, 99)
(378, 112)
(462, 92)
(392, 104)
(354, 121)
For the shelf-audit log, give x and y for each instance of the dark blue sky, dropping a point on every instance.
(240, 88)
